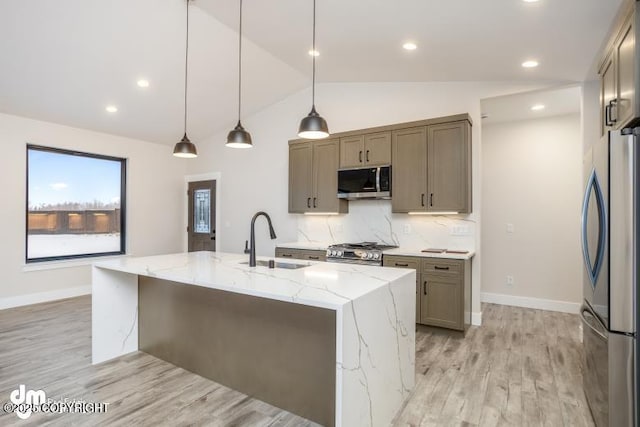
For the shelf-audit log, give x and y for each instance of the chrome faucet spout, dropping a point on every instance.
(252, 248)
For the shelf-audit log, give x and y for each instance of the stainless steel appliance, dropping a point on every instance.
(365, 183)
(610, 250)
(367, 253)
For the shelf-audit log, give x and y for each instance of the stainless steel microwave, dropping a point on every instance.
(365, 183)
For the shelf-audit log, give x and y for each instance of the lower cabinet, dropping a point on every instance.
(306, 254)
(443, 290)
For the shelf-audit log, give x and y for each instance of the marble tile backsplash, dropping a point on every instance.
(372, 220)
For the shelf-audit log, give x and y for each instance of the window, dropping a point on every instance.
(75, 204)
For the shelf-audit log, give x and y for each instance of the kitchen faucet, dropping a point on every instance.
(252, 250)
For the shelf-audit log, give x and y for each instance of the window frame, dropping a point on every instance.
(123, 204)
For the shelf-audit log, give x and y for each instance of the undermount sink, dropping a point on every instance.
(286, 265)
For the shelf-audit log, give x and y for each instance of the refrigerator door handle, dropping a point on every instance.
(588, 323)
(593, 186)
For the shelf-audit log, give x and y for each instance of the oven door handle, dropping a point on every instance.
(586, 322)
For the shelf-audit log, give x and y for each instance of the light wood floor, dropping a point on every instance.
(522, 367)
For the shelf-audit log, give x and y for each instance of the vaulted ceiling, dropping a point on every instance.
(64, 61)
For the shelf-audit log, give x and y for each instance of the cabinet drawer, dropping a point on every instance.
(401, 262)
(288, 253)
(443, 266)
(313, 255)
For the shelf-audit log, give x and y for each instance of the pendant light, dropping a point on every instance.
(239, 137)
(186, 148)
(313, 126)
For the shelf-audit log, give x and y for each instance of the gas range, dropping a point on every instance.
(366, 253)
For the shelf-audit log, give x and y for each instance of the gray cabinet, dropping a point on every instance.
(443, 290)
(432, 168)
(313, 177)
(619, 75)
(365, 150)
(407, 262)
(306, 254)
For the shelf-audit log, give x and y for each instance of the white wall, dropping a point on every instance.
(257, 179)
(532, 178)
(154, 210)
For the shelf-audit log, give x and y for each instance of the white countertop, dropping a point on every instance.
(322, 246)
(326, 285)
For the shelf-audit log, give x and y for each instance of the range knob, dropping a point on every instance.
(370, 255)
(334, 253)
(339, 253)
(328, 252)
(376, 255)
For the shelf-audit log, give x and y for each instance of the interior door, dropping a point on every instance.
(202, 216)
(594, 232)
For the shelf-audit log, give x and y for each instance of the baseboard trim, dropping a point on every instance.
(28, 299)
(528, 302)
(476, 318)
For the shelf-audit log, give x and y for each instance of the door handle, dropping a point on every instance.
(422, 199)
(367, 158)
(309, 202)
(586, 322)
(360, 156)
(425, 287)
(314, 202)
(593, 271)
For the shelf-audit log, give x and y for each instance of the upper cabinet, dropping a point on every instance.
(432, 168)
(365, 150)
(619, 75)
(313, 178)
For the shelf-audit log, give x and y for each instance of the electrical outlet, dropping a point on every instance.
(510, 281)
(460, 230)
(406, 229)
(510, 228)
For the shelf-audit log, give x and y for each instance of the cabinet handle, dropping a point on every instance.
(399, 264)
(314, 202)
(431, 199)
(440, 268)
(613, 104)
(360, 156)
(425, 287)
(422, 199)
(286, 255)
(314, 257)
(607, 113)
(309, 202)
(367, 156)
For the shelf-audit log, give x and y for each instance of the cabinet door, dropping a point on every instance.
(441, 301)
(407, 262)
(300, 177)
(409, 171)
(625, 75)
(325, 176)
(449, 167)
(607, 94)
(351, 151)
(377, 149)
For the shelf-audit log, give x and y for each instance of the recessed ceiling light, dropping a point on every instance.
(530, 64)
(143, 83)
(538, 107)
(111, 109)
(314, 52)
(409, 46)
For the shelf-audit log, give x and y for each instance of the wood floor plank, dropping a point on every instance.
(523, 367)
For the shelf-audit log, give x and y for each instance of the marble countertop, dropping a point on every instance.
(322, 246)
(320, 284)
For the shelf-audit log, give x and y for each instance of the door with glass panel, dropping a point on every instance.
(202, 216)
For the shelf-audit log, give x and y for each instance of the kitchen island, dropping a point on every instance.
(334, 343)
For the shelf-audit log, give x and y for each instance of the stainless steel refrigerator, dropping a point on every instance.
(610, 250)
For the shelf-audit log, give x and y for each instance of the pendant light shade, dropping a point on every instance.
(185, 148)
(239, 137)
(313, 126)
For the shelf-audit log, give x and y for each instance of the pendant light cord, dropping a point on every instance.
(186, 70)
(240, 63)
(313, 56)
